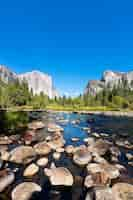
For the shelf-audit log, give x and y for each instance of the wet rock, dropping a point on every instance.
(6, 179)
(31, 170)
(59, 176)
(22, 154)
(69, 149)
(98, 159)
(42, 162)
(42, 148)
(36, 125)
(82, 156)
(25, 190)
(110, 170)
(123, 191)
(56, 155)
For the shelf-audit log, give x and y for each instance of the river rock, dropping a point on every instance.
(25, 190)
(54, 128)
(129, 156)
(59, 176)
(42, 148)
(36, 125)
(31, 170)
(22, 154)
(75, 139)
(60, 150)
(104, 193)
(110, 170)
(82, 156)
(42, 162)
(6, 179)
(56, 155)
(69, 149)
(123, 191)
(97, 179)
(4, 140)
(100, 147)
(56, 142)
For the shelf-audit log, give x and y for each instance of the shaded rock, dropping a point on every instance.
(25, 190)
(6, 179)
(59, 176)
(31, 170)
(123, 191)
(42, 148)
(42, 162)
(82, 156)
(22, 154)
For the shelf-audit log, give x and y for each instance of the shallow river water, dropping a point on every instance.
(97, 124)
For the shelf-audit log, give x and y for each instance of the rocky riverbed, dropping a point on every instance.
(63, 156)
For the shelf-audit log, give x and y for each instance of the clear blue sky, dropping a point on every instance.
(72, 40)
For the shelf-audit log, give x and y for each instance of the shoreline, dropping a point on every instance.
(104, 113)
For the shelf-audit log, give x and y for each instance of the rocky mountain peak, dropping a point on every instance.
(37, 81)
(109, 78)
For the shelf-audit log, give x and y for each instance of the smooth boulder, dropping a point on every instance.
(31, 170)
(42, 148)
(22, 155)
(59, 176)
(6, 179)
(24, 191)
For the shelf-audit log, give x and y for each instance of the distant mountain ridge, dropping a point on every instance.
(36, 80)
(109, 79)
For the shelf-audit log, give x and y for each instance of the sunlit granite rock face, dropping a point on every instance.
(7, 75)
(37, 81)
(109, 79)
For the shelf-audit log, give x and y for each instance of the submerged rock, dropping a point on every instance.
(6, 179)
(31, 170)
(25, 190)
(59, 176)
(22, 154)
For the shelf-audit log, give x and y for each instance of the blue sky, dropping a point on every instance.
(72, 40)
